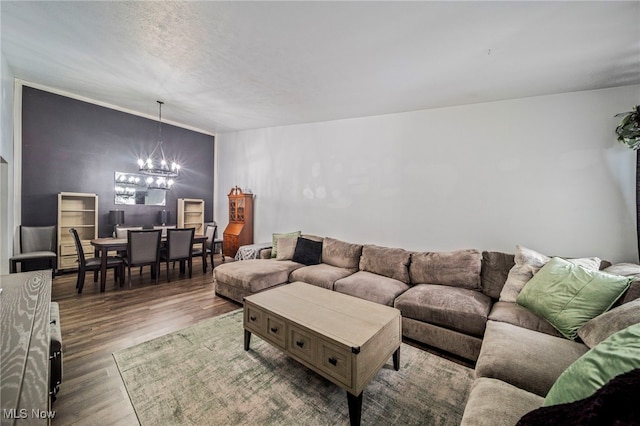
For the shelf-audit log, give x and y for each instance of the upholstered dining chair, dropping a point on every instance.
(209, 232)
(93, 264)
(37, 243)
(179, 248)
(143, 248)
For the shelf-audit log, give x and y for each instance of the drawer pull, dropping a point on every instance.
(300, 343)
(274, 329)
(333, 361)
(253, 318)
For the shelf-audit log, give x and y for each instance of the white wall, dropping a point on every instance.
(6, 170)
(543, 172)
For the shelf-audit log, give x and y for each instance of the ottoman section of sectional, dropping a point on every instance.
(236, 280)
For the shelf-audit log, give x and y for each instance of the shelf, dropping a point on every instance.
(79, 211)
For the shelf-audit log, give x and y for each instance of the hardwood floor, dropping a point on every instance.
(94, 325)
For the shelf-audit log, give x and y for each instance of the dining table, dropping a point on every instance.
(103, 246)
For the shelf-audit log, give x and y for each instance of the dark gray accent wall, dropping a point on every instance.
(74, 146)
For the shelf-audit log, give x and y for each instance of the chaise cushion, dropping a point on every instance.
(525, 358)
(254, 275)
(495, 269)
(389, 262)
(496, 403)
(454, 308)
(457, 268)
(341, 254)
(515, 314)
(322, 275)
(373, 287)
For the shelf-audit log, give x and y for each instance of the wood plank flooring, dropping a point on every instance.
(94, 325)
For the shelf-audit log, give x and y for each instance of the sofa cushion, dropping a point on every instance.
(603, 326)
(457, 268)
(618, 354)
(515, 314)
(494, 402)
(527, 263)
(627, 270)
(254, 275)
(454, 308)
(341, 254)
(389, 262)
(525, 358)
(568, 296)
(322, 275)
(373, 287)
(275, 237)
(495, 269)
(308, 252)
(286, 248)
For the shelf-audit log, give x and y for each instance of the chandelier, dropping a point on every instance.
(160, 175)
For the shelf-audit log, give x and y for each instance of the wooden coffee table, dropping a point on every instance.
(343, 338)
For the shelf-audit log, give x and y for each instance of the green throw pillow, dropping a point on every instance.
(617, 354)
(568, 295)
(274, 241)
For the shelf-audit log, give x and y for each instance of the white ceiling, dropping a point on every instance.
(222, 66)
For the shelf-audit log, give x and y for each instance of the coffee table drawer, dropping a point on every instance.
(301, 344)
(275, 330)
(334, 361)
(255, 319)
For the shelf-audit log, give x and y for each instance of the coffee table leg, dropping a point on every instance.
(355, 408)
(247, 339)
(396, 359)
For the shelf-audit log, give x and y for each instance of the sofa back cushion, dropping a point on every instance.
(385, 261)
(459, 268)
(495, 269)
(341, 254)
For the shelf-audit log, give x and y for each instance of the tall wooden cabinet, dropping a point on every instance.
(191, 214)
(76, 210)
(239, 231)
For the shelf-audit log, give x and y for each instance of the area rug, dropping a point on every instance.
(202, 375)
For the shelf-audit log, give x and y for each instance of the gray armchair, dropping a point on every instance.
(37, 245)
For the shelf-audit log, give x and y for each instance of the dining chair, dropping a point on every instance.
(93, 264)
(179, 248)
(143, 248)
(209, 232)
(217, 242)
(37, 244)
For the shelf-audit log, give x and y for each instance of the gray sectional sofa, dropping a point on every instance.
(454, 301)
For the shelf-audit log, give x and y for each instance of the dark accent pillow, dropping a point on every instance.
(616, 403)
(308, 252)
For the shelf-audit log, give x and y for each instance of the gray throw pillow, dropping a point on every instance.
(286, 248)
